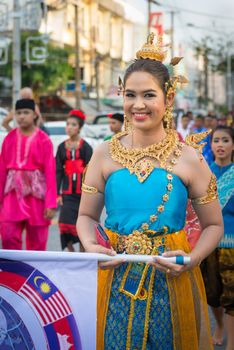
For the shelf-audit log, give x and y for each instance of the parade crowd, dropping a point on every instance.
(159, 305)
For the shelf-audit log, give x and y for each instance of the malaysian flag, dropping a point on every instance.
(46, 303)
(44, 298)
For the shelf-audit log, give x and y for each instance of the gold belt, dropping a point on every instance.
(141, 242)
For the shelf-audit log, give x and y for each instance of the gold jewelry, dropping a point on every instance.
(120, 86)
(168, 117)
(127, 125)
(168, 271)
(156, 52)
(140, 242)
(136, 159)
(88, 189)
(151, 50)
(195, 139)
(211, 194)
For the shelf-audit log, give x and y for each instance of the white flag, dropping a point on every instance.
(47, 301)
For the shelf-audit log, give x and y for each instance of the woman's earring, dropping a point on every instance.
(127, 124)
(168, 117)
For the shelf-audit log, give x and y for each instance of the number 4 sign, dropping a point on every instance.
(156, 21)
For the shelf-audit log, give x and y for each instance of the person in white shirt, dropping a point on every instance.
(183, 128)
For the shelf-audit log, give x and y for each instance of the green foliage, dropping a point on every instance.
(47, 77)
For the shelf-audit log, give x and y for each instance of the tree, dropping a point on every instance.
(205, 50)
(47, 77)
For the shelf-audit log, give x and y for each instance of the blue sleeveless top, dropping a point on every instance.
(130, 203)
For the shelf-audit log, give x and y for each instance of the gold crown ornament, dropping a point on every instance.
(157, 52)
(151, 50)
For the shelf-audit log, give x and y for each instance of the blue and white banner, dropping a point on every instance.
(47, 301)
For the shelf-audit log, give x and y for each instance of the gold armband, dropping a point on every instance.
(211, 195)
(88, 189)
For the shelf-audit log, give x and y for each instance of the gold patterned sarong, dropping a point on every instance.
(190, 322)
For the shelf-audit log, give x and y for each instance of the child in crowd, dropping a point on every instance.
(183, 128)
(72, 157)
(27, 182)
(116, 121)
(218, 268)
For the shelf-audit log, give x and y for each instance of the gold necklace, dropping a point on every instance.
(137, 161)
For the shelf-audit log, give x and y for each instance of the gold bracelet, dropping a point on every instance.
(211, 194)
(88, 189)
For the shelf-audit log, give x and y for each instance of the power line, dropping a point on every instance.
(198, 12)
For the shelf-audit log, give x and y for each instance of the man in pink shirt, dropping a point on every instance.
(27, 182)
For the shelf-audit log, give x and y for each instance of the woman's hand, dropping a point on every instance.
(97, 248)
(49, 213)
(59, 201)
(171, 269)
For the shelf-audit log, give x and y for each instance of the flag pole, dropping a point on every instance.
(25, 255)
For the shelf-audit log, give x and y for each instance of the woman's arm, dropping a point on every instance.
(202, 191)
(92, 203)
(6, 121)
(209, 215)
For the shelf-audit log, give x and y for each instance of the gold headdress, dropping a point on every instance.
(158, 52)
(152, 51)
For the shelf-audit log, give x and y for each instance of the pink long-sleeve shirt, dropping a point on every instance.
(27, 153)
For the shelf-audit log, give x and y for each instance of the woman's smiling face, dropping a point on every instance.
(144, 101)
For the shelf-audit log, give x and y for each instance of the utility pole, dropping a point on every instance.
(97, 63)
(77, 58)
(229, 77)
(16, 76)
(172, 33)
(149, 12)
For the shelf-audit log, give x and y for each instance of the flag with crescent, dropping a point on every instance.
(53, 302)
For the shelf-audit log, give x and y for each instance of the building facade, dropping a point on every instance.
(108, 38)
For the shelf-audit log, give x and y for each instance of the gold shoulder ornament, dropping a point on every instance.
(195, 139)
(211, 194)
(86, 188)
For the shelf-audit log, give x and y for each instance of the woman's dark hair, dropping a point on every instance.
(228, 129)
(79, 121)
(155, 68)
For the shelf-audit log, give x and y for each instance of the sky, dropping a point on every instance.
(213, 18)
(220, 17)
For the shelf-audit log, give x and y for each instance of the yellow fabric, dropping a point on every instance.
(186, 292)
(104, 288)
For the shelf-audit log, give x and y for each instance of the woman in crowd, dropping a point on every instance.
(218, 268)
(144, 177)
(72, 157)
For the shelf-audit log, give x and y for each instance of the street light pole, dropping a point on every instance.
(16, 74)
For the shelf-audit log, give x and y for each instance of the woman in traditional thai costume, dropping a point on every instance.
(72, 157)
(218, 268)
(144, 177)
